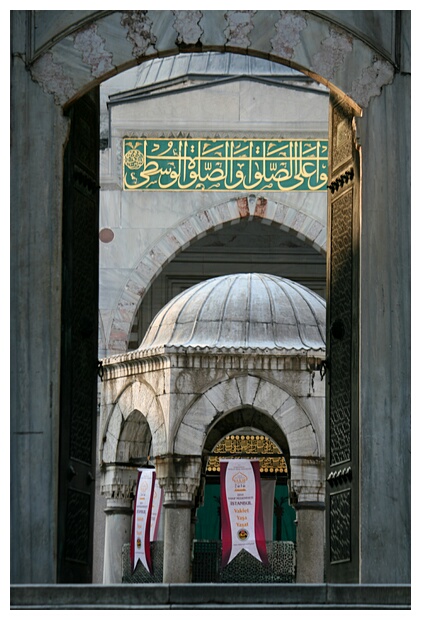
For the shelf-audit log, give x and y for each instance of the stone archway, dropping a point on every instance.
(137, 407)
(132, 432)
(242, 437)
(241, 392)
(109, 43)
(272, 409)
(302, 429)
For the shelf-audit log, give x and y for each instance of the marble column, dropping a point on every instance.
(119, 485)
(309, 502)
(180, 478)
(310, 542)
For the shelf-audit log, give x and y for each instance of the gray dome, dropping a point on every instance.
(241, 311)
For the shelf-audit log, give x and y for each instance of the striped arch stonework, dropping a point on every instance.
(137, 398)
(266, 397)
(287, 217)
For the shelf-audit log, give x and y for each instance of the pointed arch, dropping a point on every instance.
(135, 419)
(250, 391)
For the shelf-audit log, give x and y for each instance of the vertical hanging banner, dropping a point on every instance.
(241, 510)
(140, 544)
(158, 496)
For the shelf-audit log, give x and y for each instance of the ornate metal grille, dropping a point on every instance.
(77, 526)
(340, 526)
(342, 445)
(341, 330)
(244, 568)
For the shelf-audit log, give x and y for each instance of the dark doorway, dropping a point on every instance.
(79, 344)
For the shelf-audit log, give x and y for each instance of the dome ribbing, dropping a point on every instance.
(241, 311)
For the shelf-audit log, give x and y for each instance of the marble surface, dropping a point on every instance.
(241, 312)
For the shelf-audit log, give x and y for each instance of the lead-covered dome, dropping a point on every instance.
(240, 312)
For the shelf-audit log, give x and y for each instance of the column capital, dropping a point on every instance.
(118, 482)
(179, 476)
(307, 494)
(307, 483)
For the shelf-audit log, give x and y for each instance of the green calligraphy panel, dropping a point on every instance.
(224, 165)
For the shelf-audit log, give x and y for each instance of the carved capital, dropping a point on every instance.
(307, 484)
(307, 492)
(180, 477)
(119, 482)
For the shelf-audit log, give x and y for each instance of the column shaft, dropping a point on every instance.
(177, 544)
(180, 477)
(117, 533)
(310, 544)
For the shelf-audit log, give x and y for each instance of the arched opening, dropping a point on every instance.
(135, 441)
(268, 232)
(248, 443)
(276, 233)
(278, 514)
(132, 448)
(128, 436)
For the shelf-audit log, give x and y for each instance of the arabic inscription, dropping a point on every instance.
(224, 165)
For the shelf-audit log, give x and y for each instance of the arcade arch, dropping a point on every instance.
(245, 400)
(134, 428)
(279, 516)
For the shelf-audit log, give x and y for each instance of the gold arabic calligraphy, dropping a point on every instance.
(220, 165)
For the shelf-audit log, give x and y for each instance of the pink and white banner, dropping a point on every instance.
(140, 544)
(241, 510)
(158, 496)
